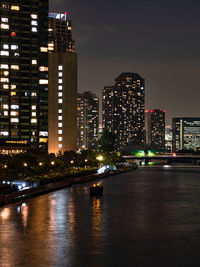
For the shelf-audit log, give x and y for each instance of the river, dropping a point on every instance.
(148, 217)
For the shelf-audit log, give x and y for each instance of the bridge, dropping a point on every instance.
(167, 158)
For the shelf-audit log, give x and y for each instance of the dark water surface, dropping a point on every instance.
(148, 217)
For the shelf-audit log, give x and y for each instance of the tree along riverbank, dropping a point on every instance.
(56, 184)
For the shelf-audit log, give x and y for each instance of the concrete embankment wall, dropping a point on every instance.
(42, 189)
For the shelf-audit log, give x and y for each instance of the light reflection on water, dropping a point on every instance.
(145, 218)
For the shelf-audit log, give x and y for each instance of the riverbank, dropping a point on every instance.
(56, 185)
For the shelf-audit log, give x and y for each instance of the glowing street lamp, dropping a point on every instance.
(25, 164)
(52, 162)
(40, 163)
(5, 166)
(100, 158)
(71, 161)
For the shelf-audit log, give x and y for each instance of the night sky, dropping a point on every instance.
(159, 40)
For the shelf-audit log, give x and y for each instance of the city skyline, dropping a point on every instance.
(157, 40)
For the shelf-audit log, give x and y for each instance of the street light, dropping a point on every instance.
(100, 158)
(5, 166)
(52, 162)
(40, 163)
(25, 164)
(71, 161)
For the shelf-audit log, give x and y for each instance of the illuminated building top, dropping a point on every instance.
(58, 15)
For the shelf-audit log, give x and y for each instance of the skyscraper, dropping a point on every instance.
(185, 133)
(62, 86)
(126, 121)
(87, 120)
(155, 129)
(60, 33)
(108, 108)
(23, 74)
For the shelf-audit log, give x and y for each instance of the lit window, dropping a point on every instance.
(14, 113)
(12, 93)
(59, 131)
(50, 48)
(60, 67)
(34, 16)
(4, 80)
(59, 118)
(14, 106)
(60, 101)
(15, 67)
(42, 68)
(5, 133)
(33, 114)
(16, 54)
(14, 120)
(34, 62)
(59, 80)
(4, 53)
(43, 133)
(5, 86)
(33, 107)
(43, 49)
(5, 113)
(59, 138)
(34, 29)
(60, 74)
(14, 47)
(60, 124)
(6, 73)
(34, 22)
(15, 8)
(43, 81)
(60, 87)
(5, 106)
(13, 86)
(4, 66)
(59, 94)
(60, 111)
(33, 120)
(43, 140)
(33, 94)
(13, 34)
(4, 19)
(5, 46)
(4, 26)
(60, 146)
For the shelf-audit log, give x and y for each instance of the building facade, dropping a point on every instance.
(62, 86)
(60, 33)
(23, 74)
(185, 134)
(87, 120)
(168, 138)
(155, 129)
(108, 108)
(123, 111)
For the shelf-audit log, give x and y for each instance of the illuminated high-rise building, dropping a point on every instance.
(23, 74)
(60, 33)
(62, 86)
(87, 120)
(108, 108)
(185, 134)
(155, 129)
(123, 110)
